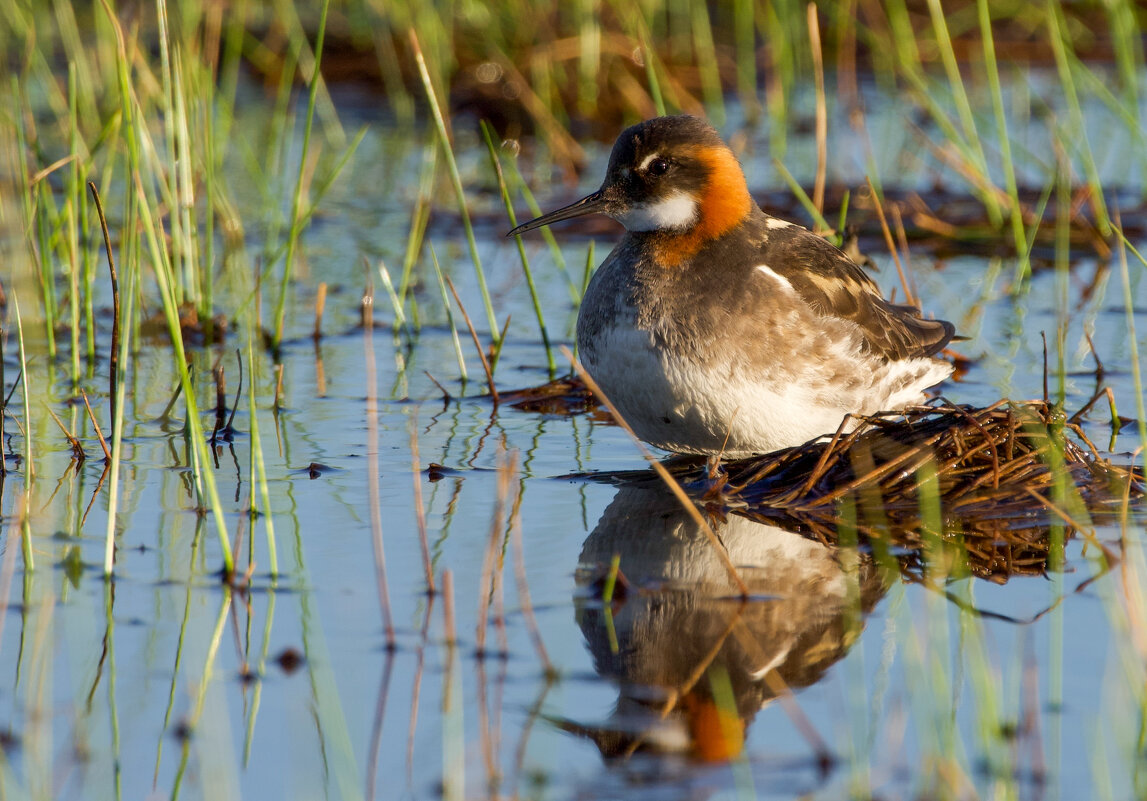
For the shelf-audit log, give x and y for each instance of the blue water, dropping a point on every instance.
(908, 694)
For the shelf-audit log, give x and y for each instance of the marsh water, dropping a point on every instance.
(165, 683)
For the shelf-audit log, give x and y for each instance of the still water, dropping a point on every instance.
(163, 683)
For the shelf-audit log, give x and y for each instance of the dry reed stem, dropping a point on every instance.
(416, 690)
(96, 492)
(8, 569)
(445, 393)
(166, 413)
(1104, 392)
(1060, 513)
(822, 462)
(909, 298)
(490, 581)
(320, 305)
(320, 372)
(43, 173)
(99, 432)
(902, 239)
(500, 598)
(376, 727)
(522, 581)
(781, 691)
(230, 427)
(992, 451)
(76, 446)
(419, 508)
(219, 373)
(527, 728)
(12, 391)
(876, 474)
(280, 368)
(664, 474)
(477, 343)
(448, 619)
(715, 461)
(485, 736)
(970, 172)
(821, 109)
(373, 482)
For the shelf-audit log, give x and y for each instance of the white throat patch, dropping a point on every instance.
(674, 212)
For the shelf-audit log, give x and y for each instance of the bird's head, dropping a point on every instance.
(672, 176)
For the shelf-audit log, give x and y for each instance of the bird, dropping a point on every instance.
(717, 329)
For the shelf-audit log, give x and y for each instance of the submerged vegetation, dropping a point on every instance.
(166, 169)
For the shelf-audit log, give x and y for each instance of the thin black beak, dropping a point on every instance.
(587, 205)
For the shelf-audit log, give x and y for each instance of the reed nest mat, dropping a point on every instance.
(1003, 481)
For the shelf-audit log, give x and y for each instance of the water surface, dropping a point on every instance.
(163, 681)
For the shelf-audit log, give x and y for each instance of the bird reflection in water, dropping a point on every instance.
(693, 661)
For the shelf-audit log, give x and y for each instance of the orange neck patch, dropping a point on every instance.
(724, 203)
(717, 734)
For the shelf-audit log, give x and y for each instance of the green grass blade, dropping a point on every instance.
(456, 180)
(258, 464)
(1133, 343)
(117, 423)
(449, 315)
(29, 464)
(523, 188)
(1059, 45)
(297, 200)
(1004, 140)
(497, 165)
(801, 196)
(963, 106)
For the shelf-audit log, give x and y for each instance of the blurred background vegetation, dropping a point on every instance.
(213, 131)
(571, 69)
(154, 88)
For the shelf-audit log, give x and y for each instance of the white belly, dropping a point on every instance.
(680, 405)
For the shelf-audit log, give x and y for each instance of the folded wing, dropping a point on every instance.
(833, 285)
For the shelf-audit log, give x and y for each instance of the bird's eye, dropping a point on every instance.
(658, 167)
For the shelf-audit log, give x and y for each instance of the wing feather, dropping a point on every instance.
(833, 285)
